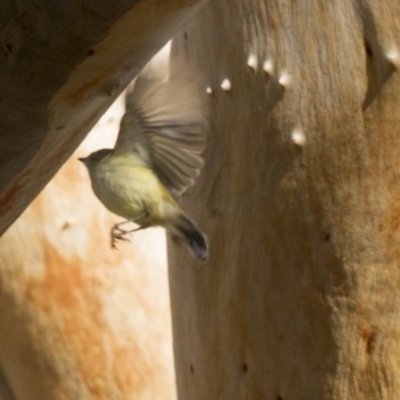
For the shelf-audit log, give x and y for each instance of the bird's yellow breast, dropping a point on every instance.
(130, 189)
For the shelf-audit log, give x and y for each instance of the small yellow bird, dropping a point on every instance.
(156, 157)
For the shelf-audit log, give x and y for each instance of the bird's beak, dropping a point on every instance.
(83, 159)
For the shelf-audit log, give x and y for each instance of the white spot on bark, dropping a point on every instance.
(393, 57)
(298, 137)
(284, 79)
(252, 61)
(209, 90)
(226, 85)
(268, 67)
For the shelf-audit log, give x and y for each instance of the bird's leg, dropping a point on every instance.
(117, 233)
(117, 227)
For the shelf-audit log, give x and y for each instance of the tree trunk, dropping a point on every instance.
(300, 198)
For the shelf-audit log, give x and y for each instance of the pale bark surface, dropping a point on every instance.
(300, 198)
(78, 320)
(62, 64)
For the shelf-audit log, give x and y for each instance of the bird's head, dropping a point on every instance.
(95, 157)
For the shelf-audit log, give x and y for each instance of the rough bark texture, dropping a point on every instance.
(79, 320)
(300, 197)
(61, 66)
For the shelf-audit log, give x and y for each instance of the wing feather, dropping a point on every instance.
(165, 123)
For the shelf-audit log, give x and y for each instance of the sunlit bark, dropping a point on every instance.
(300, 198)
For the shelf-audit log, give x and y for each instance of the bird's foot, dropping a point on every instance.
(118, 233)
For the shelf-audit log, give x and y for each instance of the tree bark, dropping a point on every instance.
(299, 196)
(62, 64)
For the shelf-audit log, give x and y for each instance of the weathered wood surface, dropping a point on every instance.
(77, 319)
(300, 198)
(61, 66)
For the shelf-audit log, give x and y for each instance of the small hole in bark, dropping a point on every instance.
(327, 237)
(214, 212)
(191, 369)
(370, 341)
(90, 52)
(279, 397)
(9, 47)
(65, 226)
(368, 49)
(245, 367)
(185, 35)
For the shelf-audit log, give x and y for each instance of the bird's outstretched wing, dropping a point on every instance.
(165, 123)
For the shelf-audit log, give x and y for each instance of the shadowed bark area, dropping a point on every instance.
(61, 66)
(300, 199)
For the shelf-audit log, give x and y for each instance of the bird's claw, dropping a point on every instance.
(118, 234)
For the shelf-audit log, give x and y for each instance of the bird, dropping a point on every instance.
(157, 156)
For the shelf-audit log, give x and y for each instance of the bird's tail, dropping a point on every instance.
(187, 230)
